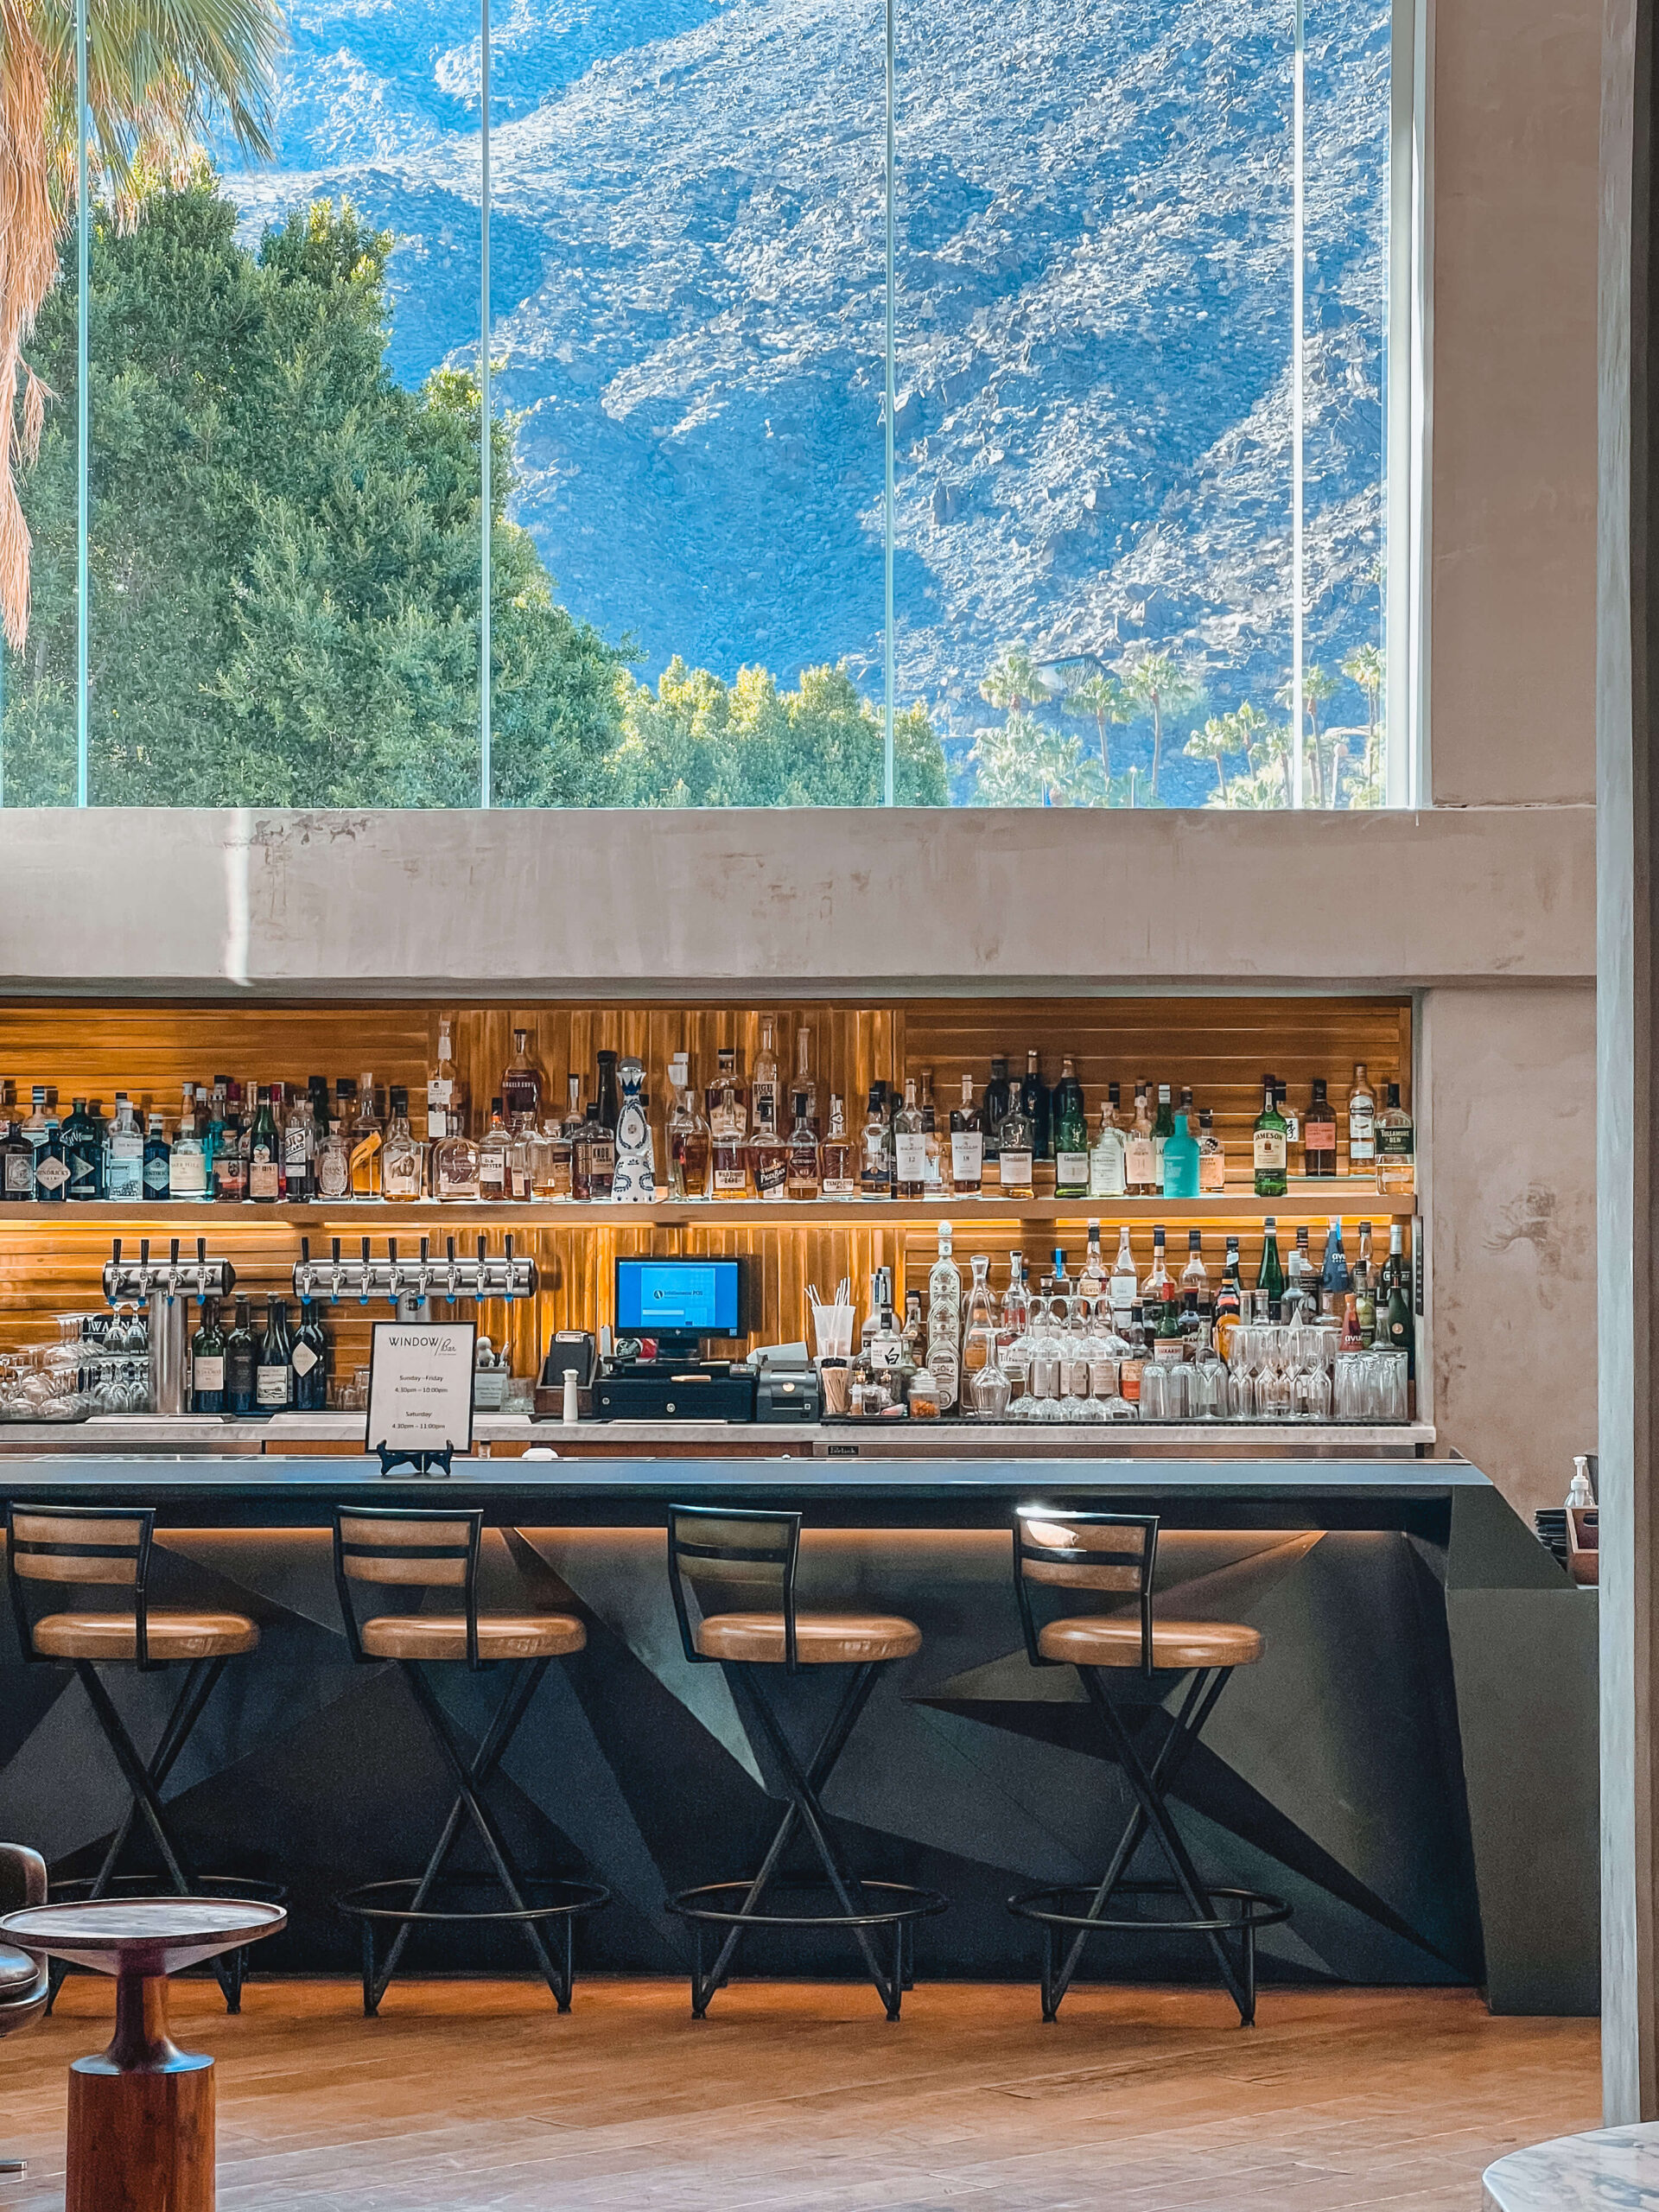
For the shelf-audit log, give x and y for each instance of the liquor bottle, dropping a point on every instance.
(1134, 1333)
(875, 1154)
(446, 1099)
(1092, 1281)
(523, 1141)
(402, 1159)
(1394, 1267)
(1071, 1120)
(299, 1149)
(1362, 1124)
(1163, 1128)
(1287, 1115)
(688, 1139)
(1035, 1098)
(492, 1149)
(945, 1293)
(82, 1154)
(765, 1101)
(365, 1140)
(273, 1375)
(1335, 1281)
(609, 1092)
(158, 1162)
(1195, 1276)
(1013, 1329)
(1123, 1284)
(909, 1147)
(454, 1165)
(769, 1150)
(1229, 1301)
(993, 1109)
(729, 1143)
(551, 1162)
(966, 1145)
(207, 1363)
(979, 1334)
(728, 1104)
(837, 1157)
(1157, 1285)
(804, 1180)
(187, 1169)
(1396, 1145)
(1139, 1154)
(804, 1080)
(521, 1081)
(333, 1163)
(231, 1154)
(1059, 1282)
(1179, 1164)
(1320, 1134)
(1213, 1155)
(1015, 1144)
(240, 1392)
(934, 1183)
(123, 1153)
(308, 1357)
(1270, 1276)
(574, 1127)
(22, 1152)
(1301, 1299)
(1268, 1149)
(1394, 1326)
(1107, 1162)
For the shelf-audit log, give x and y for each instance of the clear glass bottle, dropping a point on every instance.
(765, 1101)
(493, 1147)
(1157, 1285)
(334, 1165)
(727, 1100)
(688, 1147)
(521, 1082)
(402, 1159)
(934, 1147)
(966, 1145)
(909, 1147)
(728, 1133)
(875, 1155)
(1213, 1155)
(979, 1335)
(299, 1148)
(455, 1166)
(804, 1180)
(804, 1080)
(1365, 1288)
(522, 1141)
(1229, 1301)
(944, 1295)
(366, 1140)
(1140, 1154)
(600, 1141)
(769, 1151)
(1014, 1143)
(124, 1169)
(1362, 1124)
(1092, 1276)
(551, 1162)
(1396, 1147)
(1108, 1170)
(1163, 1127)
(1122, 1283)
(1268, 1147)
(574, 1128)
(446, 1096)
(1195, 1278)
(187, 1169)
(836, 1156)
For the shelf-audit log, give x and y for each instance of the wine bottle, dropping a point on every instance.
(240, 1393)
(310, 1361)
(207, 1363)
(273, 1379)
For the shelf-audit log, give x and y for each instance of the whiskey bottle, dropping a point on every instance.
(365, 1140)
(1108, 1169)
(575, 1128)
(1212, 1157)
(728, 1104)
(1014, 1144)
(1091, 1279)
(993, 1109)
(728, 1132)
(1319, 1133)
(454, 1166)
(1195, 1278)
(688, 1143)
(909, 1147)
(804, 1080)
(1396, 1144)
(765, 1103)
(521, 1082)
(522, 1138)
(1362, 1124)
(1122, 1283)
(769, 1149)
(1070, 1122)
(966, 1145)
(875, 1158)
(601, 1148)
(402, 1159)
(1268, 1149)
(837, 1157)
(550, 1163)
(1229, 1301)
(803, 1177)
(1139, 1154)
(933, 1182)
(446, 1099)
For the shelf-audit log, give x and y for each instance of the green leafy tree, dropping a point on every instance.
(1366, 667)
(1025, 762)
(1100, 699)
(1220, 735)
(1319, 687)
(1156, 685)
(1012, 681)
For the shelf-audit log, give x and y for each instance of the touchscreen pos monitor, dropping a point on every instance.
(680, 1301)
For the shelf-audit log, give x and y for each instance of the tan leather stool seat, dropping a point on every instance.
(17, 1970)
(1094, 1641)
(821, 1639)
(500, 1636)
(169, 1636)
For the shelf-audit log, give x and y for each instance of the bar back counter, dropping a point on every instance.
(1412, 1765)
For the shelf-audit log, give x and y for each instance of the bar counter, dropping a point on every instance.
(1412, 1765)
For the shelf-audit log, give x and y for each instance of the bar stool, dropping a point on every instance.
(755, 1556)
(438, 1550)
(23, 1976)
(96, 1546)
(1115, 1553)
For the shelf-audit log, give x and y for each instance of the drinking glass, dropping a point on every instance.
(1352, 1385)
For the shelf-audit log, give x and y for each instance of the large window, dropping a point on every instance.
(976, 405)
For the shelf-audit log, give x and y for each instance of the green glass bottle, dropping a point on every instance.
(1270, 1277)
(1271, 1153)
(1071, 1135)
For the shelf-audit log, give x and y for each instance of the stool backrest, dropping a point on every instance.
(755, 1553)
(416, 1548)
(1114, 1553)
(83, 1545)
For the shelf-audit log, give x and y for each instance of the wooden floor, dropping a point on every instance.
(464, 2096)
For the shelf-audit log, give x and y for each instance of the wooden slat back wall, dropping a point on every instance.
(1219, 1045)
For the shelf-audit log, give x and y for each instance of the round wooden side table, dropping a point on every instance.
(141, 2114)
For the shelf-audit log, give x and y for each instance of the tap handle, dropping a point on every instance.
(335, 1240)
(365, 1251)
(143, 1251)
(305, 1249)
(425, 1250)
(452, 1251)
(391, 1249)
(202, 1251)
(481, 1251)
(509, 1251)
(115, 1257)
(172, 1253)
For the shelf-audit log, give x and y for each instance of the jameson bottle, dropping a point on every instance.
(239, 1358)
(1271, 1181)
(273, 1378)
(207, 1363)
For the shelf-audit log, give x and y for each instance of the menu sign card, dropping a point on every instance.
(421, 1386)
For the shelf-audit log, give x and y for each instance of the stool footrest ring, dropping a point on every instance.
(906, 1902)
(375, 1901)
(1237, 1908)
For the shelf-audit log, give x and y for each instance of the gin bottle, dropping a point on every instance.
(124, 1147)
(158, 1161)
(187, 1169)
(1141, 1156)
(1108, 1178)
(1014, 1141)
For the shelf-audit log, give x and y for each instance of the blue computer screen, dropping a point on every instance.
(695, 1296)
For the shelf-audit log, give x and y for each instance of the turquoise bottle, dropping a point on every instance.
(1181, 1162)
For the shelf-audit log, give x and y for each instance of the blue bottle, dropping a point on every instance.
(1181, 1161)
(158, 1162)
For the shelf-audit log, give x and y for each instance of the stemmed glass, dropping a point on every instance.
(1242, 1357)
(1275, 1396)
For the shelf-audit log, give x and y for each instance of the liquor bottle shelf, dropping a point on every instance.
(1306, 1202)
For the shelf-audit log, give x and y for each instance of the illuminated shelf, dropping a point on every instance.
(374, 1218)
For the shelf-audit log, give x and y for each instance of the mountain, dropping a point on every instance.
(1094, 256)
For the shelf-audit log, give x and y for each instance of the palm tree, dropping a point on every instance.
(1317, 689)
(1101, 696)
(158, 71)
(1220, 734)
(1366, 667)
(1155, 683)
(1012, 681)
